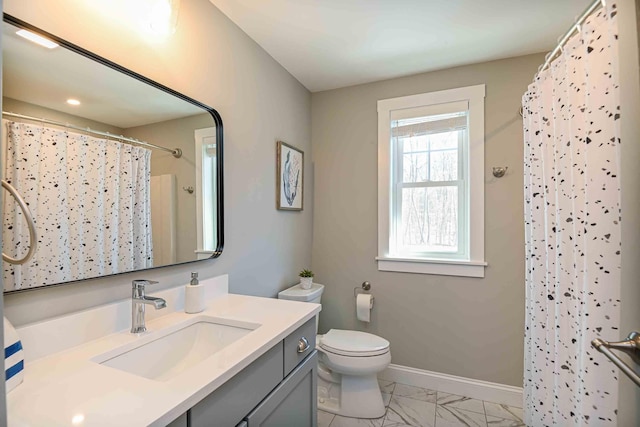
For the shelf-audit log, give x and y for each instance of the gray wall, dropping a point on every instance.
(210, 59)
(461, 326)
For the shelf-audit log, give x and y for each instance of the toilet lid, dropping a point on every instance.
(354, 342)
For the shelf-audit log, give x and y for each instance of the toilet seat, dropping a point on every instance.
(353, 343)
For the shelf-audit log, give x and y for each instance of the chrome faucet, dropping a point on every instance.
(138, 302)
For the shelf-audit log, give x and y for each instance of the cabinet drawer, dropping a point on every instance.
(291, 356)
(293, 402)
(229, 404)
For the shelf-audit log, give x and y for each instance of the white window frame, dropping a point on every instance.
(471, 264)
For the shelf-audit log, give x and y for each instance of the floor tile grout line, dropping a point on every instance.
(463, 411)
(435, 412)
(486, 420)
(413, 398)
(393, 394)
(466, 410)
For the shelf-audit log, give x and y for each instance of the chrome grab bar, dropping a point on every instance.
(33, 240)
(631, 347)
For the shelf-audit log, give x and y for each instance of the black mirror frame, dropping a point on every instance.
(214, 114)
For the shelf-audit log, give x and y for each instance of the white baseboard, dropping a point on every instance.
(476, 389)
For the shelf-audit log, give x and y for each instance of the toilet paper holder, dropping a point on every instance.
(364, 289)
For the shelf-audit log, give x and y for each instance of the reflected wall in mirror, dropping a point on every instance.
(120, 173)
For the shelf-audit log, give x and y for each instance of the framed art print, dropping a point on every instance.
(290, 177)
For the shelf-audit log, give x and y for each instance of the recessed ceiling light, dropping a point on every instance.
(37, 39)
(72, 101)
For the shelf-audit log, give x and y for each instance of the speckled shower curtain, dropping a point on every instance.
(91, 201)
(572, 226)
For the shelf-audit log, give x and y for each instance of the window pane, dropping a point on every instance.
(414, 167)
(431, 157)
(429, 219)
(208, 199)
(415, 143)
(444, 165)
(445, 140)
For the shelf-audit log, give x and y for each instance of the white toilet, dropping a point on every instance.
(348, 365)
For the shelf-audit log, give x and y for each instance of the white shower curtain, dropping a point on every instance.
(572, 223)
(90, 200)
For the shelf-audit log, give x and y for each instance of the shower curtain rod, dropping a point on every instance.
(176, 152)
(562, 41)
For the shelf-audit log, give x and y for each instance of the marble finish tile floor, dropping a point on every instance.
(409, 406)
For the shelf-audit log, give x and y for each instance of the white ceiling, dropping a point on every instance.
(47, 78)
(328, 44)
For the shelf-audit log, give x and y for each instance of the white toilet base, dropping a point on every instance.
(356, 396)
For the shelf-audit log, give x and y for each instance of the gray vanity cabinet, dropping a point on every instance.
(234, 399)
(279, 389)
(181, 421)
(292, 403)
(299, 345)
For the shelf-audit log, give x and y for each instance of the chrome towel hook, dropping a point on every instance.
(499, 171)
(33, 239)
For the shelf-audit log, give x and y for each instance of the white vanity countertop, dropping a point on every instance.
(68, 389)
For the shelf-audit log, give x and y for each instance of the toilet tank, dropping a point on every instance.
(296, 293)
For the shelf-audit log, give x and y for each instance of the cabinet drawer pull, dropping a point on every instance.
(303, 345)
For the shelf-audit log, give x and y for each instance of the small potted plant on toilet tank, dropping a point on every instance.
(306, 279)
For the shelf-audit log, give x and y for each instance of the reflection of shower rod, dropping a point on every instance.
(176, 152)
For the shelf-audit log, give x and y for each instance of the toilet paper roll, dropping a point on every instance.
(364, 303)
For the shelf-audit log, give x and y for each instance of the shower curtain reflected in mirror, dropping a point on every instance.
(96, 190)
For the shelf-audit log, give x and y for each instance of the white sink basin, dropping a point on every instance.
(164, 354)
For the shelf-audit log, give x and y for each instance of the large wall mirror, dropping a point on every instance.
(119, 173)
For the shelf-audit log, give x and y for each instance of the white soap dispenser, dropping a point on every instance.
(194, 296)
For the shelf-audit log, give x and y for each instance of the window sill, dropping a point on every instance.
(432, 266)
(203, 254)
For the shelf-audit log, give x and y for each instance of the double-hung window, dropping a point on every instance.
(431, 184)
